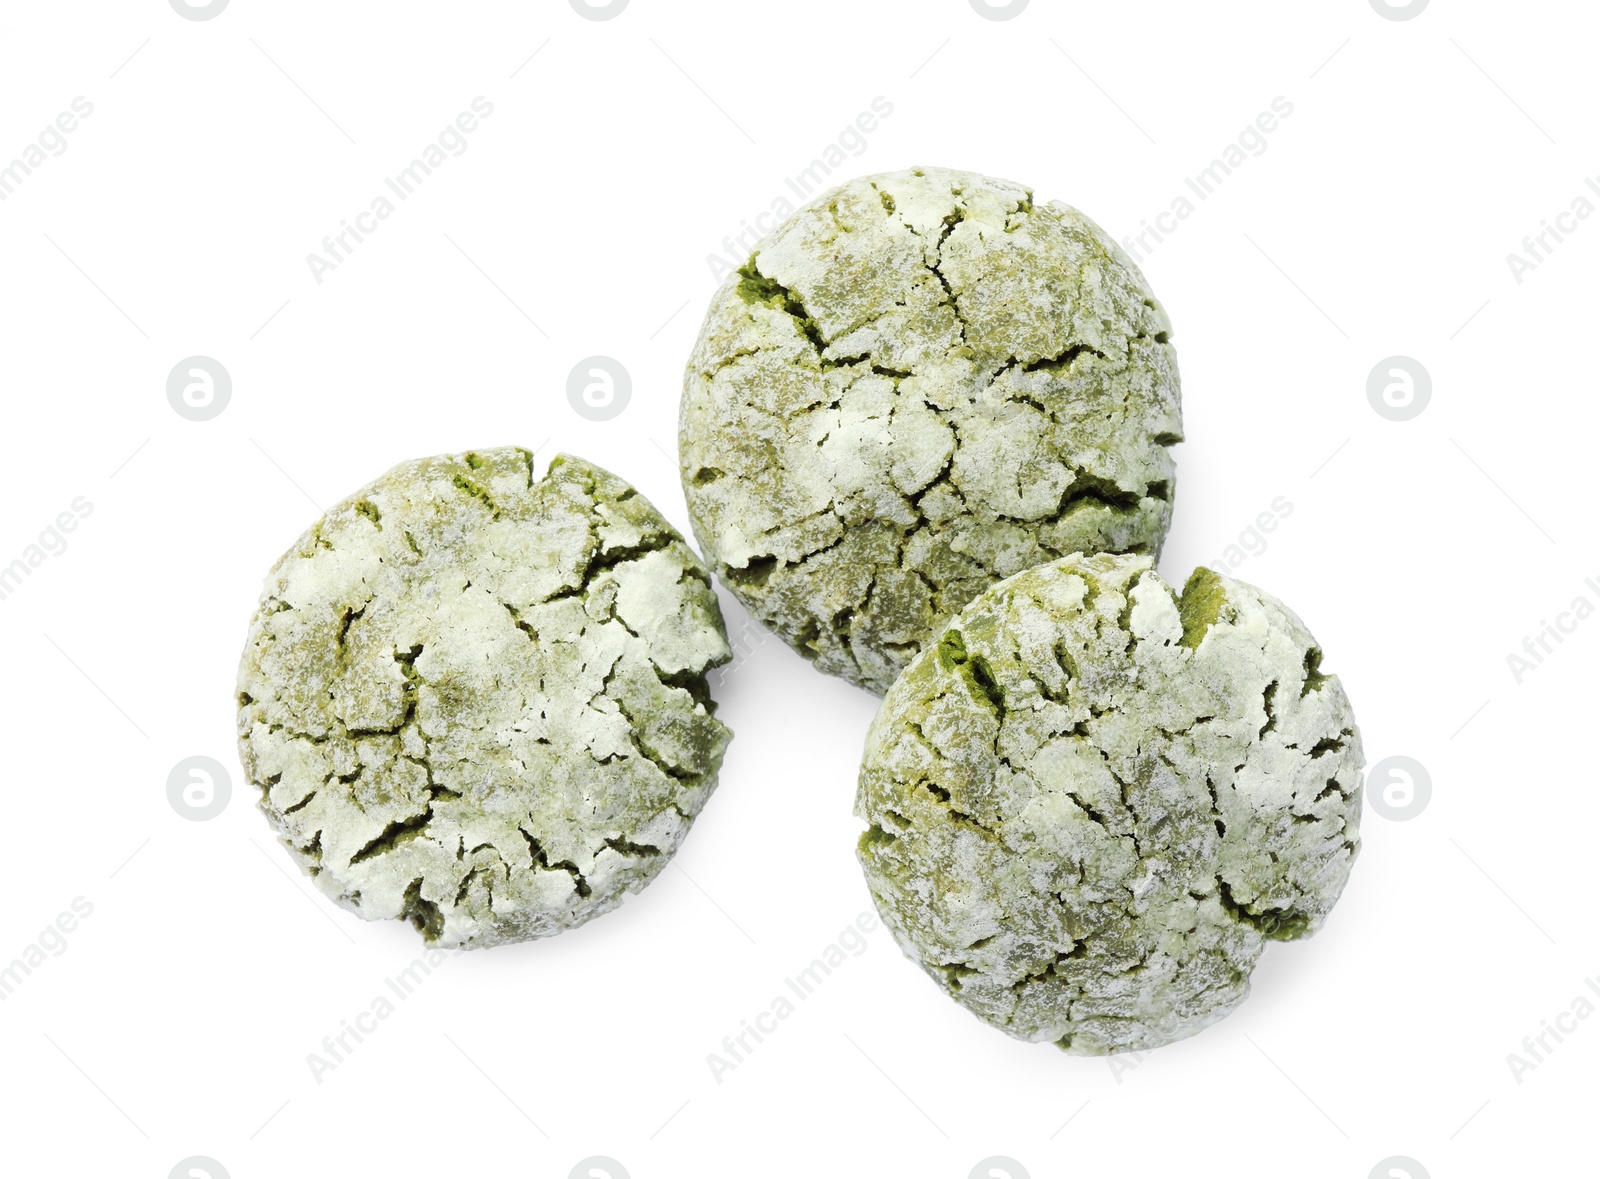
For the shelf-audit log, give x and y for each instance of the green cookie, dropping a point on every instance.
(919, 385)
(477, 700)
(1091, 799)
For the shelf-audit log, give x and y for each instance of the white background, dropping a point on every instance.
(178, 1019)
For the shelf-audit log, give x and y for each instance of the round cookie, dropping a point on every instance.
(477, 700)
(917, 386)
(1090, 800)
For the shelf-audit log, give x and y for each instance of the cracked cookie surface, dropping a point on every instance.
(1091, 800)
(477, 700)
(917, 386)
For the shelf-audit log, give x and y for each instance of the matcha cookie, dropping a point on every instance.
(477, 700)
(1091, 800)
(917, 386)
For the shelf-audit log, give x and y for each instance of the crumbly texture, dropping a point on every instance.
(477, 700)
(917, 386)
(1092, 799)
